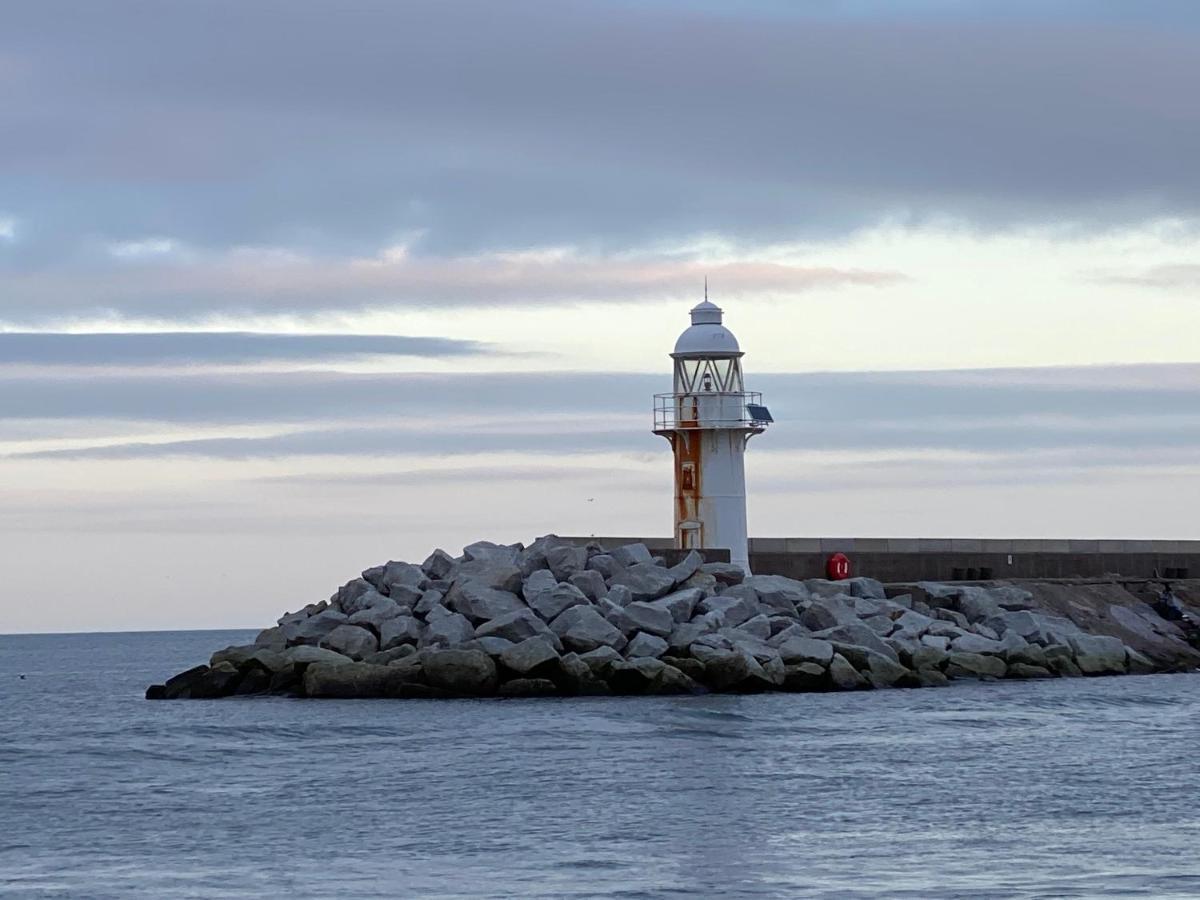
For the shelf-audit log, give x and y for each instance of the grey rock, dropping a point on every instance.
(977, 604)
(446, 629)
(237, 655)
(469, 673)
(439, 565)
(274, 638)
(550, 604)
(734, 610)
(566, 561)
(538, 581)
(725, 669)
(357, 680)
(644, 644)
(983, 631)
(843, 676)
(1137, 664)
(973, 643)
(924, 657)
(488, 573)
(686, 567)
(347, 595)
(651, 618)
(780, 623)
(482, 604)
(404, 596)
(794, 630)
(591, 583)
(724, 573)
(387, 657)
(883, 672)
(1011, 597)
(633, 554)
(936, 642)
(680, 604)
(492, 646)
(857, 634)
(702, 582)
(777, 592)
(374, 616)
(605, 564)
(1029, 654)
(881, 625)
(429, 600)
(599, 659)
(914, 623)
(397, 631)
(518, 626)
(531, 654)
(314, 628)
(582, 628)
(931, 678)
(1099, 654)
(758, 627)
(645, 581)
(974, 665)
(401, 574)
(305, 654)
(486, 551)
(683, 636)
(618, 617)
(620, 595)
(798, 649)
(953, 616)
(351, 640)
(828, 612)
(866, 587)
(821, 587)
(865, 607)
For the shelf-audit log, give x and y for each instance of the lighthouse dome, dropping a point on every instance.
(706, 336)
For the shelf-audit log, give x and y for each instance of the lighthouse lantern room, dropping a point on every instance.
(708, 418)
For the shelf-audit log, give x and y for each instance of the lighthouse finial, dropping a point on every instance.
(706, 287)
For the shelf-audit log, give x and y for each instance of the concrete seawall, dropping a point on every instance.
(954, 559)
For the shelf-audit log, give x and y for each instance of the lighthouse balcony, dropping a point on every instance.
(734, 410)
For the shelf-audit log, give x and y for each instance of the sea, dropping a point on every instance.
(1060, 789)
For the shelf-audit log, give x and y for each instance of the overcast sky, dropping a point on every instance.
(289, 288)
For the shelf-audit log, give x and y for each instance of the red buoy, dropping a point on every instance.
(837, 567)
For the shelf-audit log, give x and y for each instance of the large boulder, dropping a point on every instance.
(314, 629)
(566, 561)
(680, 604)
(487, 551)
(651, 618)
(859, 635)
(346, 598)
(828, 612)
(516, 627)
(351, 640)
(1099, 654)
(374, 616)
(883, 672)
(439, 565)
(733, 611)
(797, 649)
(551, 602)
(590, 583)
(844, 677)
(534, 653)
(604, 564)
(480, 603)
(805, 677)
(397, 631)
(490, 573)
(645, 581)
(973, 643)
(724, 573)
(644, 644)
(537, 581)
(977, 604)
(686, 567)
(357, 680)
(400, 574)
(468, 673)
(974, 665)
(632, 555)
(866, 587)
(446, 629)
(582, 628)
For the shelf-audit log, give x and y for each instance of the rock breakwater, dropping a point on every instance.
(555, 619)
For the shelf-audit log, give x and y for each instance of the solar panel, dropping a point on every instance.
(759, 413)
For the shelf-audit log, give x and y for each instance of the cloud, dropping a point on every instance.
(485, 127)
(214, 348)
(8, 228)
(1178, 276)
(143, 249)
(254, 280)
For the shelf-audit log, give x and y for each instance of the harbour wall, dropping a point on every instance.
(958, 559)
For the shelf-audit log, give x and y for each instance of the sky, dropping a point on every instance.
(290, 288)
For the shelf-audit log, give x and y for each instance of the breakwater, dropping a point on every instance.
(557, 619)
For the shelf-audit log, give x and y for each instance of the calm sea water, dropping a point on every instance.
(1081, 788)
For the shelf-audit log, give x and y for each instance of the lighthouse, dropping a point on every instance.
(709, 418)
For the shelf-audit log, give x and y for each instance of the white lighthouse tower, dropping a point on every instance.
(709, 418)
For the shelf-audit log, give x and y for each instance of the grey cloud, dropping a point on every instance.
(304, 123)
(214, 348)
(1001, 411)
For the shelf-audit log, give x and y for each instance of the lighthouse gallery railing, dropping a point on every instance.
(707, 409)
